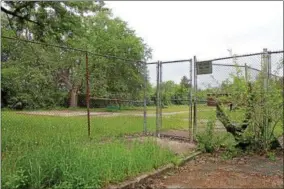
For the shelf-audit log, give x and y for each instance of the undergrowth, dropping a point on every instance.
(210, 141)
(54, 152)
(69, 165)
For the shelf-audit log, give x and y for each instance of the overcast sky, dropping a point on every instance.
(182, 29)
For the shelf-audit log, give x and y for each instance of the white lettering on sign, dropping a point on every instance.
(204, 67)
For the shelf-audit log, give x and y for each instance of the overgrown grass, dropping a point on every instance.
(43, 151)
(209, 140)
(47, 151)
(65, 163)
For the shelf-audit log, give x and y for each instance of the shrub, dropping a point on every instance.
(206, 140)
(209, 141)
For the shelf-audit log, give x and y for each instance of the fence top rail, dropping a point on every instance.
(169, 62)
(275, 52)
(153, 62)
(240, 56)
(176, 61)
(71, 48)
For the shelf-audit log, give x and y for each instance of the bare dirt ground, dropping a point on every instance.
(183, 134)
(164, 113)
(211, 171)
(178, 147)
(66, 113)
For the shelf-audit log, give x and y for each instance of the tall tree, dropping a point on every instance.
(67, 23)
(185, 82)
(49, 20)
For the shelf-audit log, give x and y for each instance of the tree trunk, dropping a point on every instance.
(235, 130)
(73, 97)
(119, 104)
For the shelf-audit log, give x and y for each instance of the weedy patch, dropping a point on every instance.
(54, 152)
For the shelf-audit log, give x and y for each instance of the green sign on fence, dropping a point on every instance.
(204, 67)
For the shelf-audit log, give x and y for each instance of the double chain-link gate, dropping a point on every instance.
(160, 102)
(229, 78)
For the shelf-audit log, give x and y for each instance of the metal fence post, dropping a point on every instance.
(190, 127)
(88, 94)
(157, 100)
(283, 96)
(195, 99)
(264, 95)
(160, 96)
(268, 111)
(145, 100)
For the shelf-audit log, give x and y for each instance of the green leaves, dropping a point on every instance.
(58, 70)
(262, 104)
(48, 19)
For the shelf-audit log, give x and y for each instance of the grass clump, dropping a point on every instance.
(207, 141)
(210, 141)
(71, 165)
(54, 152)
(271, 155)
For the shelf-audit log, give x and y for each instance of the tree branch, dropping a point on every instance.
(235, 130)
(18, 16)
(63, 77)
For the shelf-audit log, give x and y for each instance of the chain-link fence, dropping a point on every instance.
(39, 76)
(67, 88)
(247, 87)
(111, 96)
(173, 101)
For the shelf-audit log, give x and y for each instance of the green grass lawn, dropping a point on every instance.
(47, 151)
(55, 152)
(44, 151)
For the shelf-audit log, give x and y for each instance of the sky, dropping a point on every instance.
(183, 29)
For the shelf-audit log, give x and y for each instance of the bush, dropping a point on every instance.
(209, 142)
(206, 140)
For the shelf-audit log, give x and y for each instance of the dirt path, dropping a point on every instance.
(67, 113)
(209, 171)
(154, 114)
